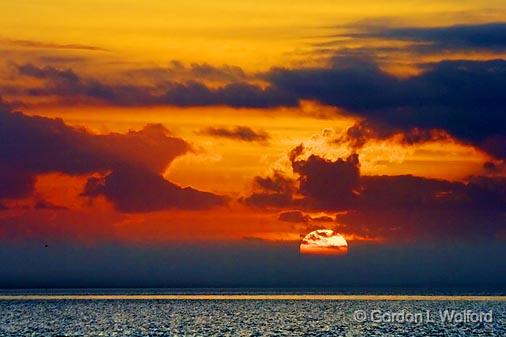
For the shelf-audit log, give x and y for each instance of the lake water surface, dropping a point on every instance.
(247, 313)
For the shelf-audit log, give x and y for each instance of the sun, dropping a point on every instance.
(324, 242)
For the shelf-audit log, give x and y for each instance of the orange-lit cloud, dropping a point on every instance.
(131, 163)
(403, 207)
(400, 112)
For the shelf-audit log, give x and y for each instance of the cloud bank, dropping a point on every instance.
(388, 207)
(131, 163)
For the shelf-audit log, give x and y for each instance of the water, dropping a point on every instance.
(223, 317)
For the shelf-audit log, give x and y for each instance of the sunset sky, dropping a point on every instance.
(220, 133)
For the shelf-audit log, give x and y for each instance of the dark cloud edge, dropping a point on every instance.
(31, 145)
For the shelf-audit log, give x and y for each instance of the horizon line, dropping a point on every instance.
(266, 297)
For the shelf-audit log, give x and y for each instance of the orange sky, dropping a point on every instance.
(110, 40)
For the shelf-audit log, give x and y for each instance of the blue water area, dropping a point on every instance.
(342, 290)
(249, 318)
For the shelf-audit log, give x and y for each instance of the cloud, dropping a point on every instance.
(448, 99)
(31, 145)
(462, 98)
(392, 207)
(293, 216)
(489, 36)
(274, 191)
(238, 95)
(497, 168)
(321, 184)
(69, 86)
(49, 45)
(42, 204)
(48, 72)
(226, 72)
(61, 59)
(328, 184)
(323, 218)
(242, 133)
(43, 145)
(297, 216)
(459, 99)
(132, 189)
(5, 105)
(357, 135)
(15, 183)
(179, 71)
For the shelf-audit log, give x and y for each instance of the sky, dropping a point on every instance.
(197, 143)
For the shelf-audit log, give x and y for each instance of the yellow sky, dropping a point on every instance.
(252, 34)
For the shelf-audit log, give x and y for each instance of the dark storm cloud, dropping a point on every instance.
(68, 85)
(316, 174)
(238, 95)
(274, 191)
(242, 133)
(463, 98)
(362, 132)
(490, 36)
(31, 145)
(15, 183)
(393, 206)
(135, 190)
(460, 99)
(43, 145)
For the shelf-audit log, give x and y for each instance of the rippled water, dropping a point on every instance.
(237, 318)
